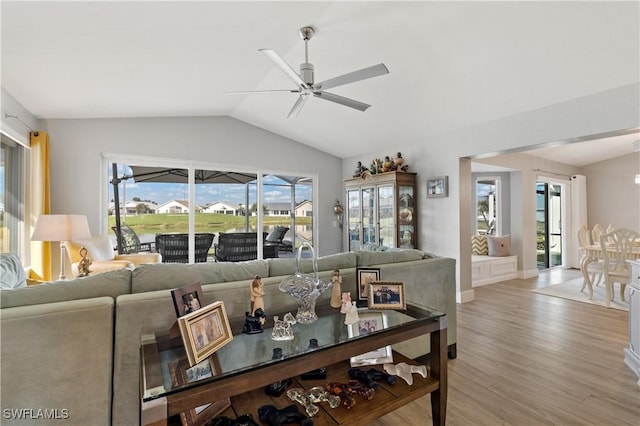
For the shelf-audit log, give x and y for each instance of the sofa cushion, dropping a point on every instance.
(113, 284)
(166, 276)
(499, 246)
(284, 267)
(367, 258)
(11, 271)
(479, 245)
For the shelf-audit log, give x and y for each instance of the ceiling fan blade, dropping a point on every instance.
(284, 66)
(363, 74)
(360, 106)
(297, 107)
(251, 92)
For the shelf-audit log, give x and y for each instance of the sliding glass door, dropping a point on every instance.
(548, 225)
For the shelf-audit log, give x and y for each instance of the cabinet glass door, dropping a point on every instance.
(353, 218)
(406, 219)
(386, 216)
(368, 216)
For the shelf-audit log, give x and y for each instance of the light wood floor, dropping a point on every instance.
(530, 359)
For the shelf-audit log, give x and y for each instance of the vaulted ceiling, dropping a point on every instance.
(452, 64)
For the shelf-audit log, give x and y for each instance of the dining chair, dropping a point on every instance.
(584, 240)
(617, 248)
(596, 233)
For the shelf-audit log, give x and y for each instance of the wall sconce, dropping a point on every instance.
(61, 228)
(338, 210)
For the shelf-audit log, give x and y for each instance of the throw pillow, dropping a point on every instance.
(479, 245)
(12, 272)
(499, 246)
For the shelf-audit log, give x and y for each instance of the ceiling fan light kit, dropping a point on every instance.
(306, 83)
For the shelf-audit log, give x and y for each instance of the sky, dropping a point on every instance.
(275, 191)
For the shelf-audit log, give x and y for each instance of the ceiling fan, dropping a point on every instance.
(306, 85)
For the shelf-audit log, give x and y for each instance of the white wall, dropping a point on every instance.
(77, 147)
(443, 222)
(612, 195)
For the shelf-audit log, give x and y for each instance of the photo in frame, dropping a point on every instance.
(363, 277)
(205, 331)
(187, 299)
(370, 322)
(386, 295)
(438, 187)
(182, 374)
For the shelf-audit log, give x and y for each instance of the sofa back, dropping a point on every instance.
(57, 357)
(112, 284)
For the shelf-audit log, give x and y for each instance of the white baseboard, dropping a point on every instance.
(532, 273)
(465, 296)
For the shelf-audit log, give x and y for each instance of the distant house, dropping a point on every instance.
(135, 207)
(224, 207)
(176, 207)
(304, 209)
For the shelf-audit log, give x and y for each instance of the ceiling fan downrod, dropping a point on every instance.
(306, 69)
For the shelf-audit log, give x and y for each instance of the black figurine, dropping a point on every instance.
(318, 373)
(277, 388)
(370, 377)
(272, 416)
(243, 420)
(253, 324)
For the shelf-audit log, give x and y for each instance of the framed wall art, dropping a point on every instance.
(438, 187)
(187, 299)
(205, 331)
(363, 277)
(370, 322)
(386, 295)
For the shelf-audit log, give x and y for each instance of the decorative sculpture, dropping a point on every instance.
(336, 291)
(272, 416)
(257, 294)
(346, 302)
(282, 328)
(315, 395)
(404, 371)
(371, 377)
(346, 390)
(253, 323)
(352, 314)
(85, 262)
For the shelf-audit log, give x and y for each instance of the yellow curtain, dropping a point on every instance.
(40, 204)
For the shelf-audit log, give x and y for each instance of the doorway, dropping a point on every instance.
(548, 224)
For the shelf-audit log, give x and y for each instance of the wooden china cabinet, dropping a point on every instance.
(381, 210)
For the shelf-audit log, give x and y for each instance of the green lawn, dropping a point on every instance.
(205, 222)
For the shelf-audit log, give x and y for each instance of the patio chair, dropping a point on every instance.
(131, 242)
(174, 248)
(276, 237)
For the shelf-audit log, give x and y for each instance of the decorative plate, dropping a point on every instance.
(405, 215)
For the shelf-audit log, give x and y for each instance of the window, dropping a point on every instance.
(11, 196)
(225, 200)
(488, 206)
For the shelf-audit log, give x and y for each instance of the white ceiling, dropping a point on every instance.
(451, 63)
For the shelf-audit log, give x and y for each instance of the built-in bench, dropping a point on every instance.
(489, 269)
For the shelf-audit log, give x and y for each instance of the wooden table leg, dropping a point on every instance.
(439, 372)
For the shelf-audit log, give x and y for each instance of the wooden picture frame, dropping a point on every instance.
(205, 331)
(370, 322)
(182, 374)
(438, 187)
(386, 295)
(187, 299)
(363, 277)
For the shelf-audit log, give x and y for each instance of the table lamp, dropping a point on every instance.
(61, 228)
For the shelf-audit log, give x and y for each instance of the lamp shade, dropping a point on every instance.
(61, 227)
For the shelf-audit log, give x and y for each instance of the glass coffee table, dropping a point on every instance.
(241, 369)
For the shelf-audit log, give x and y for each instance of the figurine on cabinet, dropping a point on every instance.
(282, 328)
(359, 169)
(336, 290)
(352, 314)
(253, 323)
(85, 262)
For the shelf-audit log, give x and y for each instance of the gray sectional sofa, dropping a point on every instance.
(70, 349)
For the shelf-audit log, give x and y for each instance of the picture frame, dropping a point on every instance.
(363, 277)
(187, 299)
(182, 374)
(438, 187)
(386, 295)
(205, 331)
(370, 322)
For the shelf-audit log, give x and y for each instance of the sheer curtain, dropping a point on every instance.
(40, 204)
